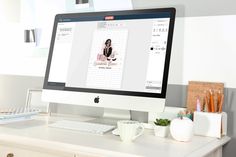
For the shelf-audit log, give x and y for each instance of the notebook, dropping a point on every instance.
(8, 115)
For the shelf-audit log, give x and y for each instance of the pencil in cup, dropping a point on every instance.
(221, 103)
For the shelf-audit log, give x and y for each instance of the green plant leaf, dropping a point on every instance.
(162, 122)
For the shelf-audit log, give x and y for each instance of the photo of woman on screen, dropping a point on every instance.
(107, 51)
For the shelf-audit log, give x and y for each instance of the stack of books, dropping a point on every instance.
(8, 115)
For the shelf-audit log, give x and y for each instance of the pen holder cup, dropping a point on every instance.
(210, 124)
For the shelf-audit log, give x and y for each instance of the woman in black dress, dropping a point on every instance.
(107, 51)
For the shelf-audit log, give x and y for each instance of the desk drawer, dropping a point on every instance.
(87, 155)
(18, 152)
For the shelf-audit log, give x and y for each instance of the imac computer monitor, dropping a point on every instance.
(116, 59)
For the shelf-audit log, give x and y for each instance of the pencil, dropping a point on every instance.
(221, 103)
(208, 102)
(206, 107)
(212, 102)
(218, 101)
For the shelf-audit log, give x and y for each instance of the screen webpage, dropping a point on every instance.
(125, 55)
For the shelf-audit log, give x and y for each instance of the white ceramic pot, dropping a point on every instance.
(181, 129)
(161, 131)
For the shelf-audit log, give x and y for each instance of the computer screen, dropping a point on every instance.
(106, 56)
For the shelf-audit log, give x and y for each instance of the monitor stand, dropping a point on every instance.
(111, 116)
(147, 115)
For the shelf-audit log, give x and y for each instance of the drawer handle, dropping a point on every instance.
(10, 155)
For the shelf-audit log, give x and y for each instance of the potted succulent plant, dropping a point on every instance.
(161, 127)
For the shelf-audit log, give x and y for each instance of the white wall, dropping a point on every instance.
(17, 57)
(204, 49)
(9, 10)
(14, 89)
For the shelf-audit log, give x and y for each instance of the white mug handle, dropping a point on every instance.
(141, 132)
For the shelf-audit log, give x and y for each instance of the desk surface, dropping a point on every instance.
(36, 134)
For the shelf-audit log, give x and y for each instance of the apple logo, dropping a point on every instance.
(96, 99)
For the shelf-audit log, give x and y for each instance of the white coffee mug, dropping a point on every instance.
(129, 130)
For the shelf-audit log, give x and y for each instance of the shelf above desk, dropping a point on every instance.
(37, 136)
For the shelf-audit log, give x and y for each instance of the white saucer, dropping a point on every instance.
(115, 132)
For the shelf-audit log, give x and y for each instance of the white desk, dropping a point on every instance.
(35, 139)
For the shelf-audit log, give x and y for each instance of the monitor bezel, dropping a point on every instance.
(61, 86)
